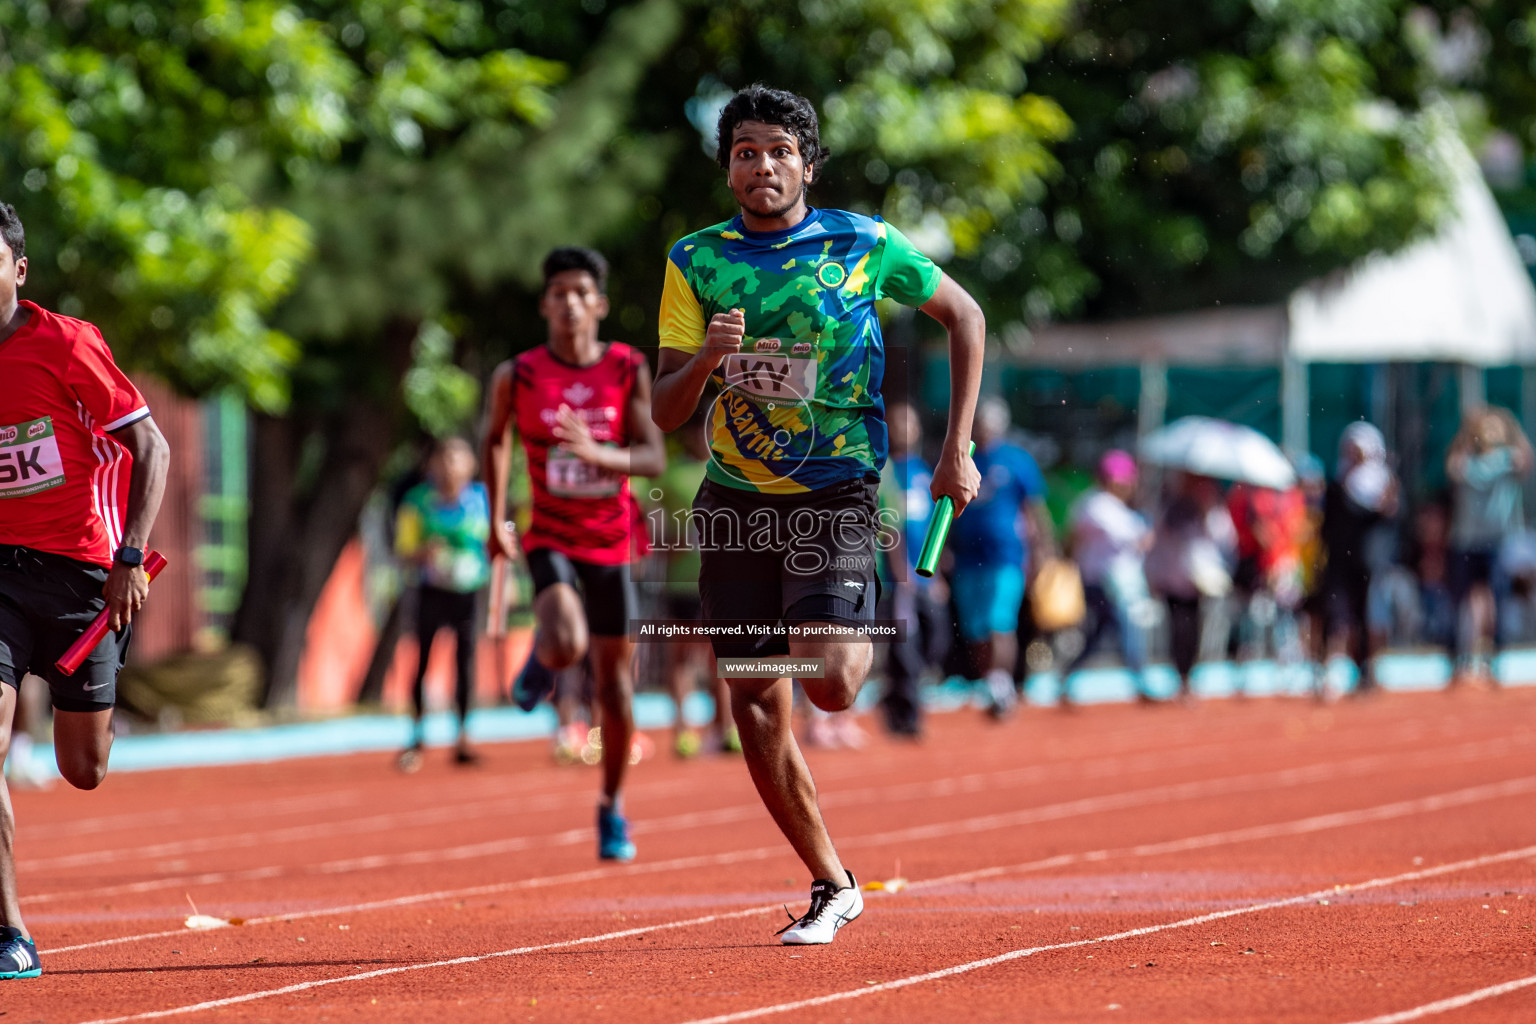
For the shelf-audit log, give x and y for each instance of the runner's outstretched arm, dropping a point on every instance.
(953, 307)
(496, 460)
(646, 454)
(127, 586)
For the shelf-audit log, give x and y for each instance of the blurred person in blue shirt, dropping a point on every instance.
(918, 602)
(441, 531)
(991, 542)
(1487, 465)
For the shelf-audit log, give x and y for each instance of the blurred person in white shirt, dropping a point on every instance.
(1109, 543)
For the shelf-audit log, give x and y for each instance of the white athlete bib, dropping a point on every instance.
(567, 476)
(772, 375)
(29, 459)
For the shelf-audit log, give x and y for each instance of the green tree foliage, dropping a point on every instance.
(1070, 159)
(279, 195)
(926, 106)
(1228, 156)
(126, 137)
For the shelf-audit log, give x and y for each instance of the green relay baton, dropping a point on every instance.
(938, 531)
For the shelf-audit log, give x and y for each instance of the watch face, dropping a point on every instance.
(130, 556)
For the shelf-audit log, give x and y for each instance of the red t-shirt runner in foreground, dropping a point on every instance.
(63, 481)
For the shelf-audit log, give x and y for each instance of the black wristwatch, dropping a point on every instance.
(131, 557)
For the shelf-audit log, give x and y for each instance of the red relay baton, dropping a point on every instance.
(154, 561)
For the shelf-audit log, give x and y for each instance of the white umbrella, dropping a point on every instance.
(1216, 448)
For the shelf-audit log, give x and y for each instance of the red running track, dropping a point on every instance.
(1239, 861)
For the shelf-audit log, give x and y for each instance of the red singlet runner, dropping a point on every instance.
(63, 481)
(579, 510)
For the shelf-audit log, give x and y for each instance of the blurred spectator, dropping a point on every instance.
(917, 602)
(1517, 565)
(443, 526)
(1267, 580)
(1312, 481)
(1188, 562)
(1428, 557)
(992, 542)
(1487, 462)
(1109, 542)
(1362, 494)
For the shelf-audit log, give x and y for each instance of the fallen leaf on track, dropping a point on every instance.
(205, 922)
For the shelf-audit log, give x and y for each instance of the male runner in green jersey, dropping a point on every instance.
(777, 308)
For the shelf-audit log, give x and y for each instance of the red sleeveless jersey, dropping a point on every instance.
(63, 480)
(580, 510)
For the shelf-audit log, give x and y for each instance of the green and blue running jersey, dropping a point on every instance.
(799, 406)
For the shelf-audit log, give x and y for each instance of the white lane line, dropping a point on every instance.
(1331, 892)
(1263, 781)
(214, 1004)
(391, 821)
(1188, 922)
(480, 789)
(1119, 801)
(457, 811)
(1453, 1003)
(177, 816)
(1300, 826)
(439, 813)
(1115, 766)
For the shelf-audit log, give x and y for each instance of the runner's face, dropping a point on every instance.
(768, 177)
(573, 304)
(13, 274)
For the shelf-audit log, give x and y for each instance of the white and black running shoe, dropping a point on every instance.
(832, 907)
(18, 956)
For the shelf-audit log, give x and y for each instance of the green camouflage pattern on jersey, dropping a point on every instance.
(800, 406)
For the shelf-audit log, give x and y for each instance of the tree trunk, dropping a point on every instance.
(295, 538)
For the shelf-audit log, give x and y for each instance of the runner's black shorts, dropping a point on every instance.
(607, 592)
(790, 558)
(46, 602)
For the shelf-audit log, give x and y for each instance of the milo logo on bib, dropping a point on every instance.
(29, 459)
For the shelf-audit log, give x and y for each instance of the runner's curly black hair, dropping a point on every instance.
(11, 230)
(576, 257)
(793, 113)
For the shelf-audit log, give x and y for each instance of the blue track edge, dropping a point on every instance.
(378, 733)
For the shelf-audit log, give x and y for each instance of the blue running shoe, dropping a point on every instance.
(613, 835)
(534, 683)
(18, 956)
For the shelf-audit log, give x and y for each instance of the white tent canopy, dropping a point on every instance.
(1462, 296)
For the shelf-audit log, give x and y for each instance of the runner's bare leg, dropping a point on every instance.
(10, 901)
(762, 709)
(613, 675)
(845, 666)
(560, 639)
(82, 741)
